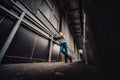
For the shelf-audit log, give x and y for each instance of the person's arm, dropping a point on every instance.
(56, 38)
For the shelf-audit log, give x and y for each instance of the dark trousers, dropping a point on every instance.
(64, 50)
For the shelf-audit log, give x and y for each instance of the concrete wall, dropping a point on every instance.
(104, 17)
(32, 40)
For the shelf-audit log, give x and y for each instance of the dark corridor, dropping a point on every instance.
(27, 28)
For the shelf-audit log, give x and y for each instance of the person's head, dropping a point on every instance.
(60, 33)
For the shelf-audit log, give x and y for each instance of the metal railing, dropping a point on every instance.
(39, 25)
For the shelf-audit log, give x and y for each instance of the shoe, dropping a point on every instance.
(66, 61)
(70, 58)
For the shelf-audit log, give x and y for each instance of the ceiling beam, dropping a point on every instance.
(78, 34)
(76, 27)
(74, 18)
(64, 2)
(73, 11)
(75, 23)
(77, 30)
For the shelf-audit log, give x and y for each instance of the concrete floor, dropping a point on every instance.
(48, 71)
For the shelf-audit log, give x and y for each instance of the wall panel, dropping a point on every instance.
(32, 4)
(42, 48)
(22, 43)
(6, 25)
(55, 52)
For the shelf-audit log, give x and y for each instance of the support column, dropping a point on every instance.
(11, 36)
(50, 49)
(84, 39)
(36, 37)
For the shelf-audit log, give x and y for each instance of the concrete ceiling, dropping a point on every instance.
(73, 11)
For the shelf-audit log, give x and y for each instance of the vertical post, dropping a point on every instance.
(84, 39)
(50, 49)
(36, 37)
(10, 38)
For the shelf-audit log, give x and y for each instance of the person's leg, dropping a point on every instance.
(70, 58)
(66, 48)
(66, 52)
(62, 50)
(66, 58)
